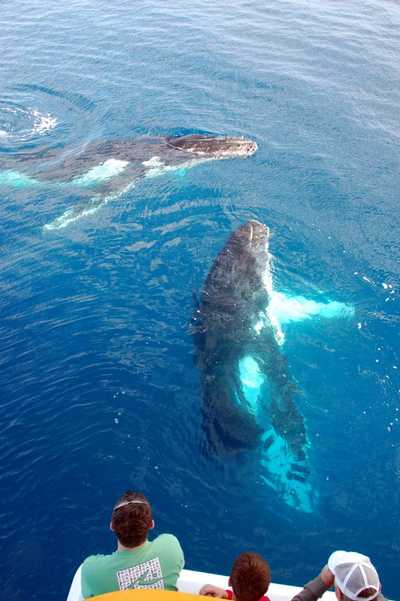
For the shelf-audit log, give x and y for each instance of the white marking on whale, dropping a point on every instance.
(101, 173)
(156, 167)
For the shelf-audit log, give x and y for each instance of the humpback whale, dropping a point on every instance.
(249, 394)
(107, 168)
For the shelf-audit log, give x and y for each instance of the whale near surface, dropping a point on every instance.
(106, 169)
(249, 394)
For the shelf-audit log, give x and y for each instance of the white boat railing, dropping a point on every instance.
(191, 581)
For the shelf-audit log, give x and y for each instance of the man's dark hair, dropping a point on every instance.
(250, 577)
(131, 519)
(364, 594)
(367, 593)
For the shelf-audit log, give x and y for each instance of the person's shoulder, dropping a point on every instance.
(168, 544)
(94, 561)
(168, 548)
(166, 539)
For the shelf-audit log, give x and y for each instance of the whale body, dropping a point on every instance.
(249, 394)
(105, 169)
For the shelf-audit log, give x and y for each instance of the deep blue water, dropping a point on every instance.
(99, 390)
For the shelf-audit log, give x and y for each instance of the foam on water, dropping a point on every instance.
(20, 123)
(42, 123)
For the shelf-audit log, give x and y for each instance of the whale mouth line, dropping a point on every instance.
(217, 147)
(170, 141)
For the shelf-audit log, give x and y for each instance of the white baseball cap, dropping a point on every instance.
(354, 573)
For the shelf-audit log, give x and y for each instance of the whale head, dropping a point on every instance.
(254, 236)
(235, 284)
(213, 147)
(250, 246)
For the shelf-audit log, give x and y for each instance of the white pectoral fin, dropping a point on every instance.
(77, 212)
(284, 309)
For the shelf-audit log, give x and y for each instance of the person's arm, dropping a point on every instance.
(314, 589)
(213, 591)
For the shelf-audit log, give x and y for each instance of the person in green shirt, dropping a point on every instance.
(137, 562)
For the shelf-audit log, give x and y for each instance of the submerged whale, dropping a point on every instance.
(249, 395)
(105, 169)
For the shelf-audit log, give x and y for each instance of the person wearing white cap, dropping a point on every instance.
(352, 574)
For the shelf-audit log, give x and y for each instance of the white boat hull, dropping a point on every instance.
(191, 581)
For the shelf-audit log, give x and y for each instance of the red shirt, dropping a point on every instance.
(229, 595)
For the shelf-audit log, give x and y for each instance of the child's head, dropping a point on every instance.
(250, 577)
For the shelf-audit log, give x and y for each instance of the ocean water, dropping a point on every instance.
(99, 391)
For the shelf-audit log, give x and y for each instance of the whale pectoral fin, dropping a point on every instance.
(181, 172)
(288, 309)
(75, 213)
(92, 206)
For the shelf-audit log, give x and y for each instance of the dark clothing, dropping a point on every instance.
(314, 589)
